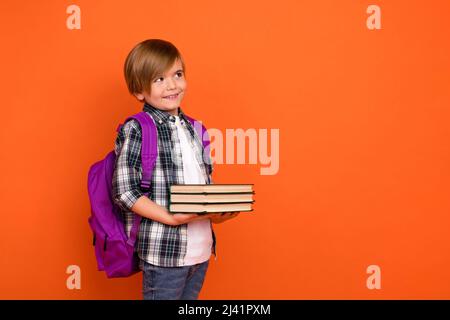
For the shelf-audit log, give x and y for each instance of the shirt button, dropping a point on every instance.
(160, 121)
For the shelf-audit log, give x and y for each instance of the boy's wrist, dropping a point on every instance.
(169, 218)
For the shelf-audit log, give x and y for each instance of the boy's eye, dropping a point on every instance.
(179, 74)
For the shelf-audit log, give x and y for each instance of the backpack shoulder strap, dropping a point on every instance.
(149, 148)
(201, 130)
(149, 153)
(204, 137)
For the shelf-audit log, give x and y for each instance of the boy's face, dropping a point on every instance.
(167, 90)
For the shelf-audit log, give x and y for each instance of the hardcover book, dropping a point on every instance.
(211, 198)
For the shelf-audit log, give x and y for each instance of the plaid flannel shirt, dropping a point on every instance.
(157, 243)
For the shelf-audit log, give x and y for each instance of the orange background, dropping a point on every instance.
(364, 141)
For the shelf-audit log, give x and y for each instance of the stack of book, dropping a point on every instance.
(211, 198)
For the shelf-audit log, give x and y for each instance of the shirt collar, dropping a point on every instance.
(162, 117)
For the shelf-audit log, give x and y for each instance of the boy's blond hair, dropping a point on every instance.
(147, 61)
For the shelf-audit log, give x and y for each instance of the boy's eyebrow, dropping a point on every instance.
(178, 71)
(161, 75)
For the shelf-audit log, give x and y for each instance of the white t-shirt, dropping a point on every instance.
(199, 236)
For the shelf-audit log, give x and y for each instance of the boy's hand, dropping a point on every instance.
(182, 218)
(219, 218)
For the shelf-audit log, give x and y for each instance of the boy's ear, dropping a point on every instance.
(139, 96)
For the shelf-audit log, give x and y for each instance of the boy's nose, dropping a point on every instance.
(170, 84)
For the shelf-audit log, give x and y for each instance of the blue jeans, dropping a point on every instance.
(173, 283)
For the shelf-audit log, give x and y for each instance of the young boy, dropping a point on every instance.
(174, 249)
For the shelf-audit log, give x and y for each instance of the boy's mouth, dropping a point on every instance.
(172, 97)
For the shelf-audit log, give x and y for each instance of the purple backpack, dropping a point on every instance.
(114, 251)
